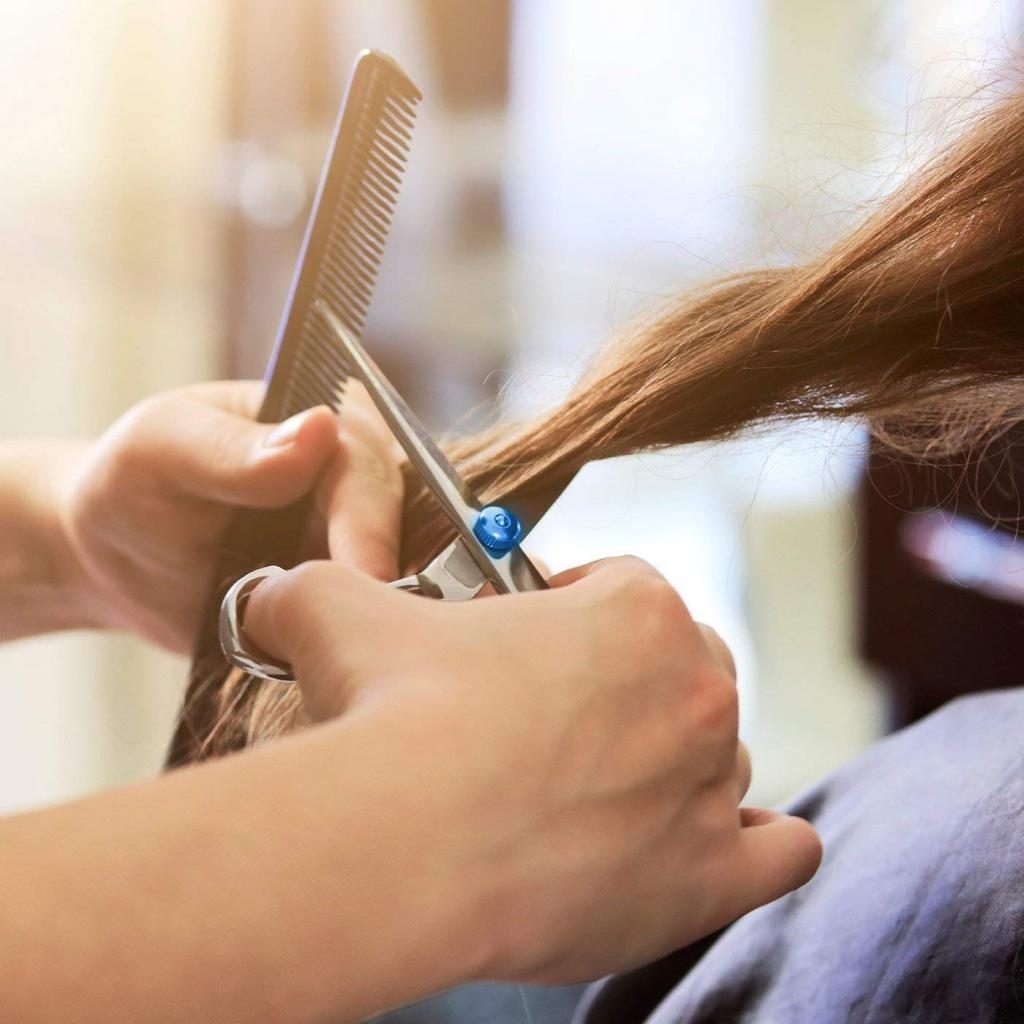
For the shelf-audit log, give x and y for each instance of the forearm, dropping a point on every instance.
(296, 883)
(42, 587)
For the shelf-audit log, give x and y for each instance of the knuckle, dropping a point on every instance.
(744, 768)
(370, 549)
(377, 556)
(626, 568)
(366, 462)
(130, 442)
(657, 614)
(373, 465)
(635, 586)
(151, 412)
(124, 448)
(700, 707)
(365, 423)
(701, 701)
(644, 617)
(365, 432)
(713, 698)
(718, 647)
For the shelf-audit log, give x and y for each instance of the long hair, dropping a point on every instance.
(914, 321)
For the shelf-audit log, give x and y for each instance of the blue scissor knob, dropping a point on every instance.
(497, 529)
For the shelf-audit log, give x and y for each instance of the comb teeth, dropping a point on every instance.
(345, 237)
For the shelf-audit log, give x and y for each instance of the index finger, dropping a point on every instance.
(361, 494)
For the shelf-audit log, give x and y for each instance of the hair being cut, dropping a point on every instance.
(914, 321)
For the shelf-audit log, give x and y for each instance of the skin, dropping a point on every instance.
(124, 530)
(466, 807)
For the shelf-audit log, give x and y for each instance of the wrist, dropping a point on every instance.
(45, 586)
(401, 796)
(84, 605)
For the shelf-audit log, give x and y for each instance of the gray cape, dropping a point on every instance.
(916, 915)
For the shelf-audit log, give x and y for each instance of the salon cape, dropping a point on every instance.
(916, 914)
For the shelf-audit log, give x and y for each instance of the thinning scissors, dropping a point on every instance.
(486, 549)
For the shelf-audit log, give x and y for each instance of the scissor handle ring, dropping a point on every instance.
(237, 647)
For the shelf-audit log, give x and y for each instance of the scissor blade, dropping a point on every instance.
(454, 494)
(510, 574)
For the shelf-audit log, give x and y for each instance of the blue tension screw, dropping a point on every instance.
(497, 529)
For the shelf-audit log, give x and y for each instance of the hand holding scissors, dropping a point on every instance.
(486, 549)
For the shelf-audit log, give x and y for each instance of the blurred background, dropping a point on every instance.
(575, 162)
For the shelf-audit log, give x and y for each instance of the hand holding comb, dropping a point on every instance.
(338, 263)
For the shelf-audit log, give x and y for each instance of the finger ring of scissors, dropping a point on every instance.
(237, 647)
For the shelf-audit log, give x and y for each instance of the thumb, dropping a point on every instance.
(213, 453)
(322, 617)
(776, 854)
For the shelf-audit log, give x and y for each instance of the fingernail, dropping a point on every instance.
(284, 433)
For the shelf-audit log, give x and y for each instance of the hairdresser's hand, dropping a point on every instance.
(566, 763)
(152, 497)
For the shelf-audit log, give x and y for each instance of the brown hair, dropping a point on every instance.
(915, 320)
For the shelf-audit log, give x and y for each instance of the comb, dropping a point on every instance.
(338, 262)
(345, 236)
